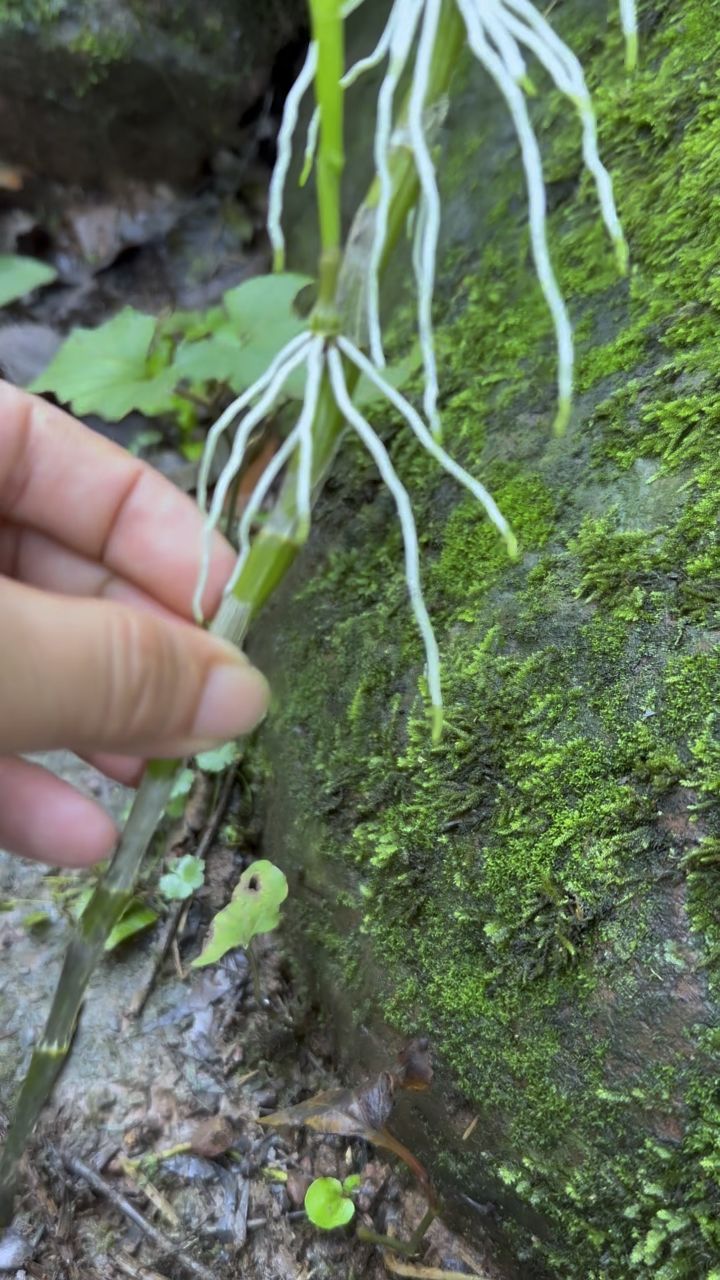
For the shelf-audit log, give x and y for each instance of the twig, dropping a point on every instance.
(140, 1179)
(406, 1247)
(471, 1128)
(427, 1273)
(130, 1267)
(159, 1239)
(172, 920)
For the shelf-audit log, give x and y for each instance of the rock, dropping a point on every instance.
(15, 1250)
(25, 350)
(538, 892)
(93, 89)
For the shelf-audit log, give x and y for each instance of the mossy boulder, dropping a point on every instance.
(95, 89)
(539, 892)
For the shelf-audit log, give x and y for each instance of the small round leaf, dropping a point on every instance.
(326, 1206)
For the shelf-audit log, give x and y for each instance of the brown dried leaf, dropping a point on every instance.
(211, 1137)
(350, 1112)
(400, 1268)
(359, 1113)
(414, 1066)
(11, 178)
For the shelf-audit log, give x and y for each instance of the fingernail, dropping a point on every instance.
(235, 699)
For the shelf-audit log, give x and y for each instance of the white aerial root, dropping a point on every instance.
(380, 456)
(428, 226)
(428, 442)
(284, 364)
(300, 438)
(402, 26)
(324, 356)
(532, 164)
(628, 20)
(497, 33)
(284, 156)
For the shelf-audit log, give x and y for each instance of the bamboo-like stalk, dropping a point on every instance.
(271, 554)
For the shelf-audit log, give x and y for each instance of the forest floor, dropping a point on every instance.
(210, 1052)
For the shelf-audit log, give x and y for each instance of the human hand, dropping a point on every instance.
(99, 557)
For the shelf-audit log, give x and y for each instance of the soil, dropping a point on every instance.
(212, 1052)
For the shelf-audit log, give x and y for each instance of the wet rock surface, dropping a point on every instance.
(93, 91)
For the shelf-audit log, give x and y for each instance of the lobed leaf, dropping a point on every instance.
(219, 758)
(183, 877)
(107, 370)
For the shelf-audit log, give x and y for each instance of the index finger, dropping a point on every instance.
(61, 478)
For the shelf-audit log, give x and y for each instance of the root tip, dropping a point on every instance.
(562, 417)
(437, 720)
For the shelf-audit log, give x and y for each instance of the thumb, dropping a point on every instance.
(95, 675)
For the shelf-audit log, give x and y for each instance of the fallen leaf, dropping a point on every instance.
(414, 1070)
(212, 1137)
(400, 1268)
(353, 1113)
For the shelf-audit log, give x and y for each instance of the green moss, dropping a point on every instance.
(618, 566)
(22, 13)
(539, 892)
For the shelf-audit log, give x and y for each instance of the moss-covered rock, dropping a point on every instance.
(94, 89)
(541, 891)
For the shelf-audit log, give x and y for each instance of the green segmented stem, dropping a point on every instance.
(328, 33)
(271, 555)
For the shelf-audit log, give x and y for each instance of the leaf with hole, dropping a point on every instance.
(254, 908)
(109, 370)
(326, 1205)
(183, 876)
(19, 276)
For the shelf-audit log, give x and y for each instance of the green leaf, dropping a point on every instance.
(258, 320)
(144, 440)
(325, 1204)
(367, 394)
(36, 920)
(352, 1182)
(107, 370)
(219, 758)
(265, 301)
(19, 276)
(215, 357)
(181, 788)
(183, 877)
(136, 917)
(254, 908)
